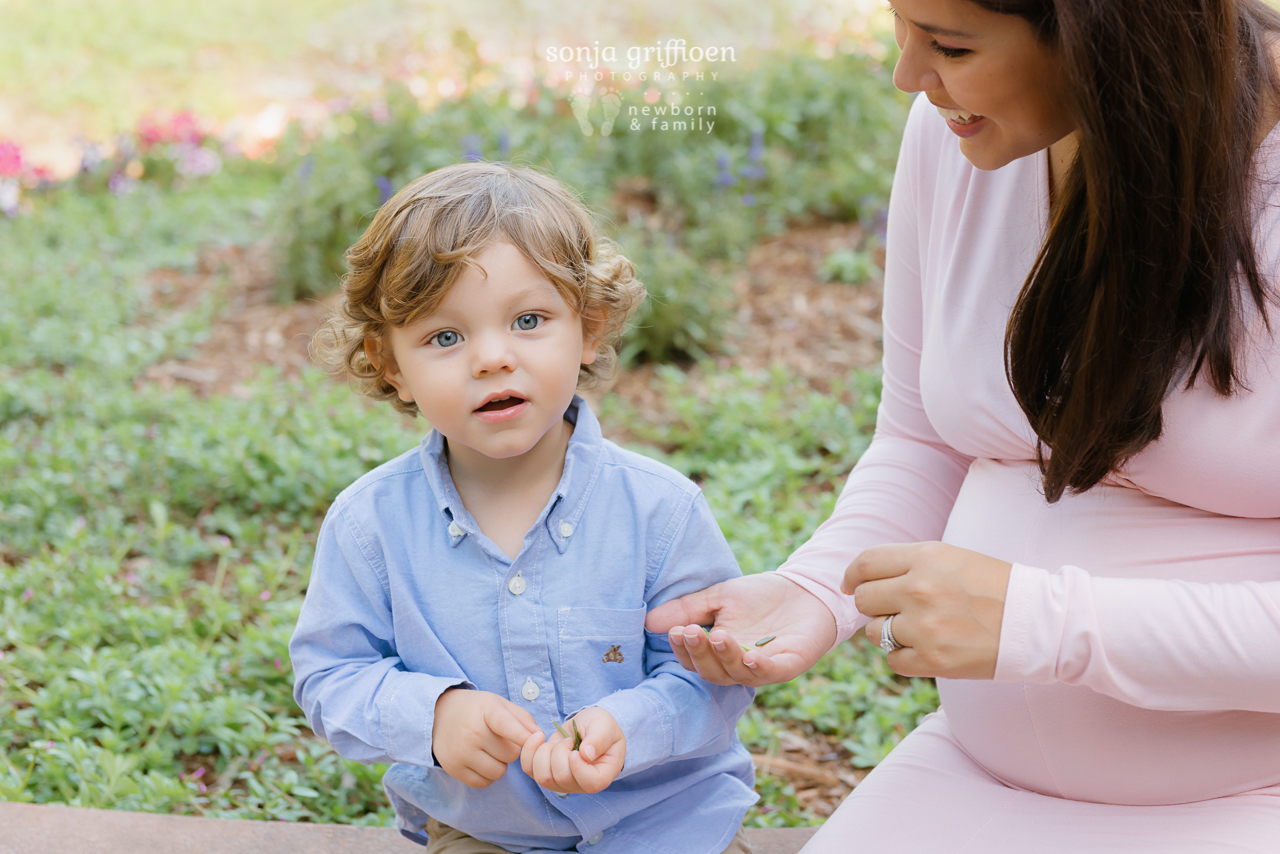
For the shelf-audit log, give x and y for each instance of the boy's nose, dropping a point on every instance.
(493, 353)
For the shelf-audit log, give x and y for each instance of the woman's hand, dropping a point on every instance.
(947, 604)
(746, 610)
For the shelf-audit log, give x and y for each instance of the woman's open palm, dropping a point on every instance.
(745, 610)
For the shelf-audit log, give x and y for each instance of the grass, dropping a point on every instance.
(156, 545)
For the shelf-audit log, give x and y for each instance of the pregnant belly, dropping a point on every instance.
(1070, 741)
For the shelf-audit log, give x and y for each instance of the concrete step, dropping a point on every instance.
(48, 829)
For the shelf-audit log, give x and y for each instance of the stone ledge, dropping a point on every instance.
(48, 829)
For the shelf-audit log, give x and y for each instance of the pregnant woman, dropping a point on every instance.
(1070, 512)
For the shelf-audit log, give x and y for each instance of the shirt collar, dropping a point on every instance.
(563, 512)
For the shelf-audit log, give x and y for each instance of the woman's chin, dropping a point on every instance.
(984, 157)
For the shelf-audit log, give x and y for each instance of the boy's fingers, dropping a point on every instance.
(541, 766)
(594, 777)
(560, 770)
(598, 736)
(522, 715)
(530, 747)
(486, 768)
(505, 725)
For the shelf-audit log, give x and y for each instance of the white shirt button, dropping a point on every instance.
(562, 794)
(455, 530)
(566, 530)
(516, 585)
(593, 840)
(530, 691)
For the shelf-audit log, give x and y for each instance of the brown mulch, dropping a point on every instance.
(817, 330)
(786, 316)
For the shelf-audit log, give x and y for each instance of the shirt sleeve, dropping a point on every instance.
(673, 713)
(904, 486)
(1161, 644)
(352, 686)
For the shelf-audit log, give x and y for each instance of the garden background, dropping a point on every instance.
(178, 181)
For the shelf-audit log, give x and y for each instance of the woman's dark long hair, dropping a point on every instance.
(1149, 260)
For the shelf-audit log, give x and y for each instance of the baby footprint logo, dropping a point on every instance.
(610, 103)
(581, 104)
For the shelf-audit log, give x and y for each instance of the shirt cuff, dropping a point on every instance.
(408, 712)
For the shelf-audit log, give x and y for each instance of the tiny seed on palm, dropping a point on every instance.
(764, 641)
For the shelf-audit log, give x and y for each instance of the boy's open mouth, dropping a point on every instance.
(500, 404)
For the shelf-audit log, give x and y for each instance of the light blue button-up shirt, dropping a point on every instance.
(408, 598)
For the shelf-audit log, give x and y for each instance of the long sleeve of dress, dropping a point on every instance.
(1156, 643)
(904, 486)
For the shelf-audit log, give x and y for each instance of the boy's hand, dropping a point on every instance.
(555, 765)
(476, 734)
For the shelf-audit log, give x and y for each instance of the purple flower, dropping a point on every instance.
(90, 157)
(121, 184)
(471, 143)
(753, 173)
(504, 143)
(385, 189)
(307, 166)
(724, 178)
(748, 199)
(10, 196)
(197, 161)
(757, 146)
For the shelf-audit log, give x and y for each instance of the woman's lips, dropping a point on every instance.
(961, 122)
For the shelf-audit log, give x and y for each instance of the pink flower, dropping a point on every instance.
(10, 159)
(279, 665)
(264, 595)
(26, 596)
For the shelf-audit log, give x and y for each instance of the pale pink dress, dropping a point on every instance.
(1136, 704)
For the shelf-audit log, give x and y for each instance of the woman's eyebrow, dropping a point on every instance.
(935, 30)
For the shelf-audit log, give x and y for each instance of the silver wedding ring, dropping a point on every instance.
(887, 641)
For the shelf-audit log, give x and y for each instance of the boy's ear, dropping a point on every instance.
(380, 355)
(592, 336)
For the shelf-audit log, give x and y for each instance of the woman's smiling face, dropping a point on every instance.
(1001, 89)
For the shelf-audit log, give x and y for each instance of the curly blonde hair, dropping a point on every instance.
(420, 241)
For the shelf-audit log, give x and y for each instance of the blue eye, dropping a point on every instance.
(447, 338)
(528, 321)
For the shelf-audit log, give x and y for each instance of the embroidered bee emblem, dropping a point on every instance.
(614, 654)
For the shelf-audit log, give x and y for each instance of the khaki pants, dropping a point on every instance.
(447, 840)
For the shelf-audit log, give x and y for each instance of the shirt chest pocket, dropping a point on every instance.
(601, 651)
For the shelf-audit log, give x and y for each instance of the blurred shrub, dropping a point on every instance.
(681, 316)
(797, 136)
(849, 266)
